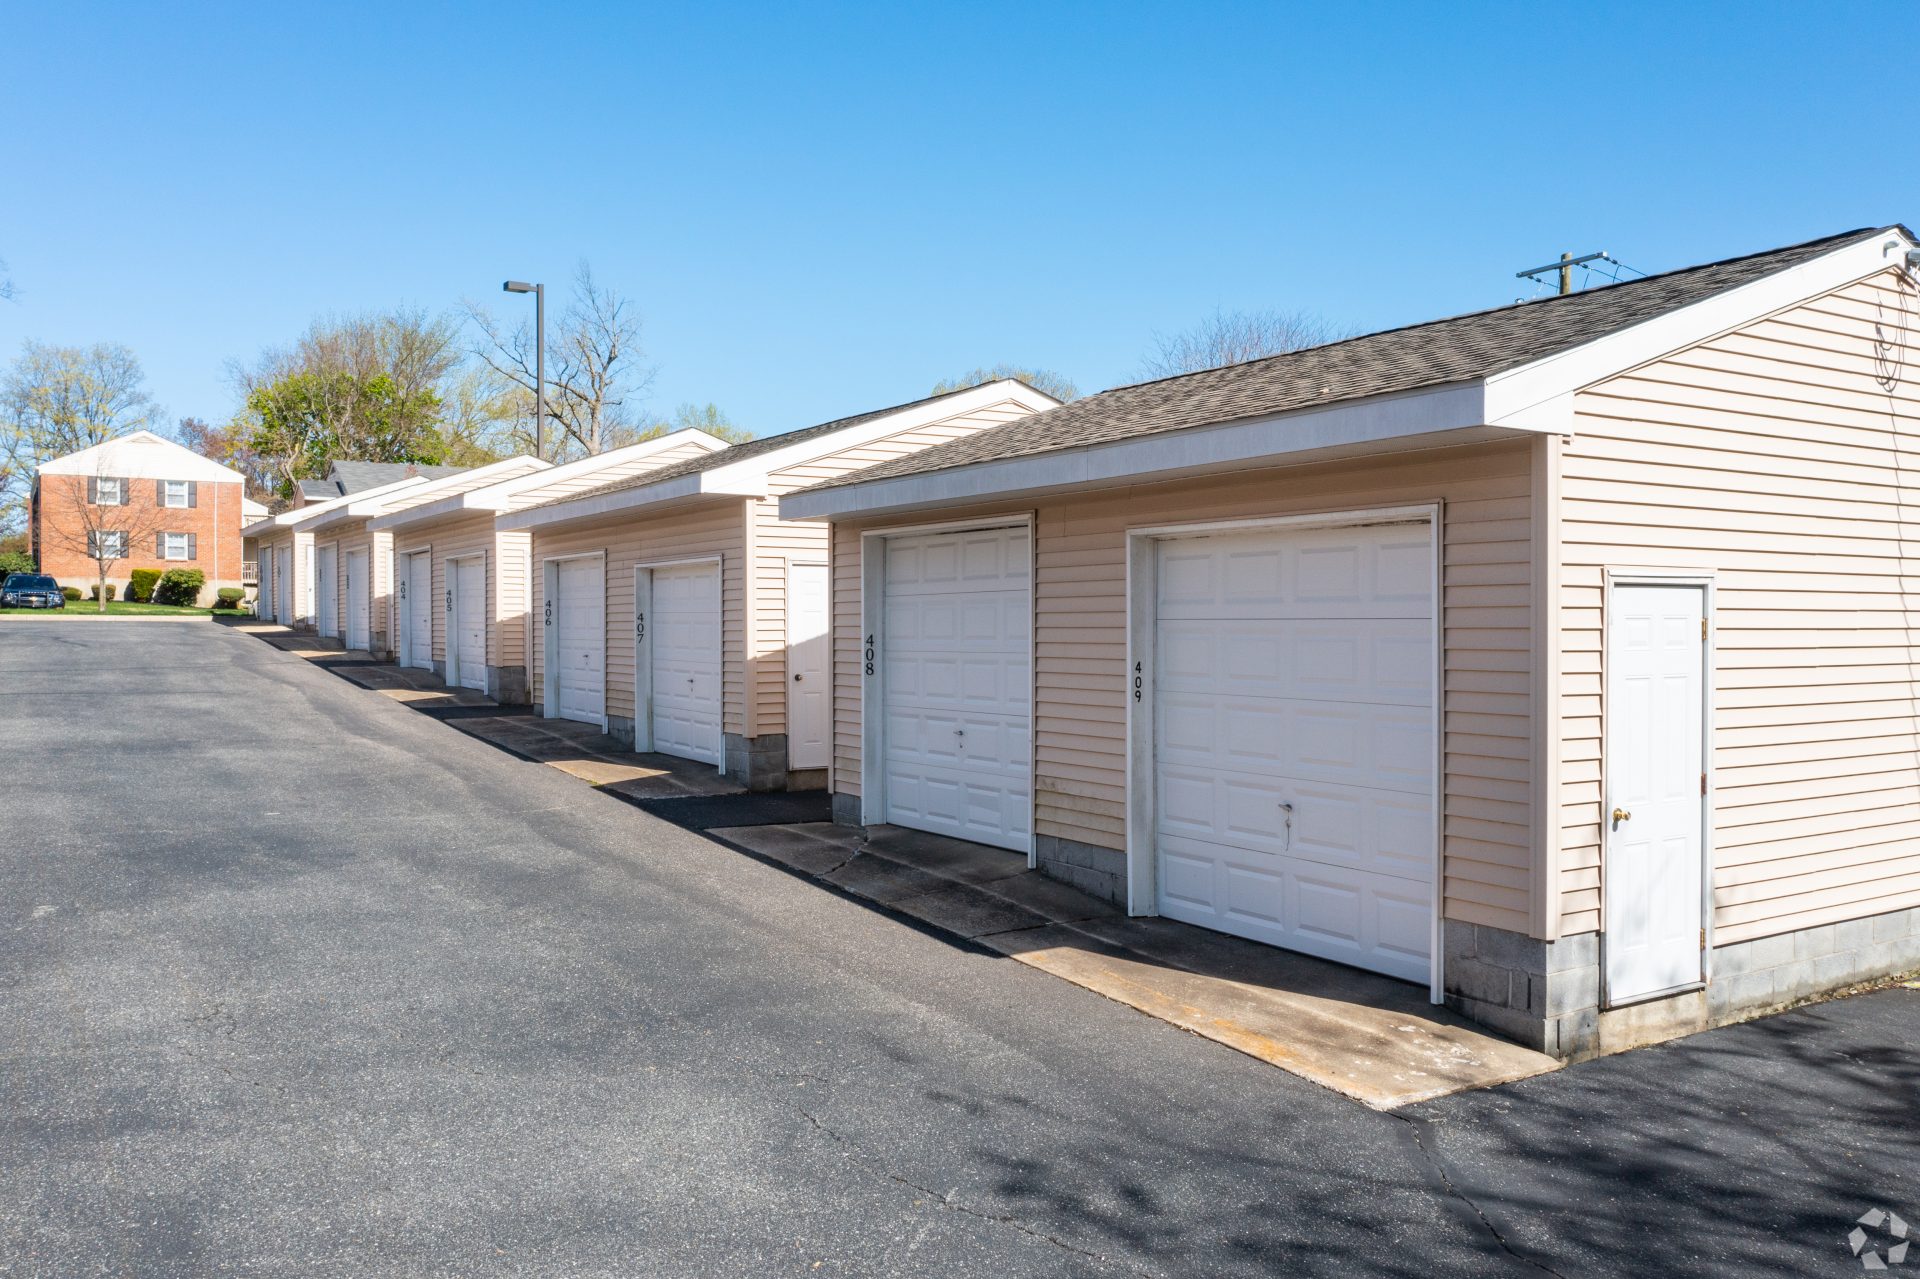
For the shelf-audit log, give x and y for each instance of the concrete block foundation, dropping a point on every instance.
(1547, 995)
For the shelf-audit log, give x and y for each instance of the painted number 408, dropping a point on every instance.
(869, 658)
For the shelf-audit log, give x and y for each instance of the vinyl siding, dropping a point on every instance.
(716, 527)
(778, 542)
(1776, 457)
(1081, 642)
(593, 479)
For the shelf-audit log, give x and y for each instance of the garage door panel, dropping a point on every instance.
(1323, 573)
(946, 563)
(580, 664)
(1380, 746)
(1334, 912)
(1293, 740)
(1371, 660)
(686, 661)
(956, 676)
(959, 802)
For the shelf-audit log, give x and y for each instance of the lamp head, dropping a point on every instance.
(517, 286)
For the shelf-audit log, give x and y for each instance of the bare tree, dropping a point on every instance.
(1045, 381)
(595, 378)
(58, 400)
(104, 523)
(7, 290)
(1234, 337)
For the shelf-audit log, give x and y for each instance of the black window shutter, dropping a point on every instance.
(159, 492)
(160, 546)
(193, 546)
(126, 491)
(93, 490)
(193, 492)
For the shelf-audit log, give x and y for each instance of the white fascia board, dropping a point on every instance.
(587, 508)
(1433, 418)
(750, 478)
(142, 455)
(421, 507)
(1537, 395)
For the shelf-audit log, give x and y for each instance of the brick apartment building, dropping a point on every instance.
(166, 505)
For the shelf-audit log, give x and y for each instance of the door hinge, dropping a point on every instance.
(1703, 783)
(1703, 628)
(1703, 939)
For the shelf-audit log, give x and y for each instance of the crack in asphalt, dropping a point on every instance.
(1417, 1129)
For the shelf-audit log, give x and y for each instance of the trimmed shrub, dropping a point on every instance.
(72, 592)
(93, 592)
(15, 562)
(179, 586)
(141, 583)
(230, 596)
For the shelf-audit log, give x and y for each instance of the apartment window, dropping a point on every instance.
(175, 493)
(176, 546)
(108, 544)
(106, 491)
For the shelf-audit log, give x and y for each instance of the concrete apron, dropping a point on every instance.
(1367, 1037)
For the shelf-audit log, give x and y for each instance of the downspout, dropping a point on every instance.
(1544, 703)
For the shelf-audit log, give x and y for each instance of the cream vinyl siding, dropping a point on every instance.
(1081, 642)
(457, 538)
(776, 542)
(1777, 457)
(352, 535)
(716, 527)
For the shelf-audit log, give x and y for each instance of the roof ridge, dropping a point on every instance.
(1510, 306)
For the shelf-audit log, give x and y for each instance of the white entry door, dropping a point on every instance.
(359, 603)
(1654, 878)
(326, 590)
(577, 657)
(418, 610)
(955, 669)
(809, 666)
(1293, 737)
(468, 623)
(263, 587)
(683, 635)
(283, 586)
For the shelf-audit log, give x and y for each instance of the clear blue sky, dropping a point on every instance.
(824, 210)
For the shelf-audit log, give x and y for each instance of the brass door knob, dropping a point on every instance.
(1621, 814)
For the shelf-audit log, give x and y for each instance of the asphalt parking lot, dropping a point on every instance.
(297, 981)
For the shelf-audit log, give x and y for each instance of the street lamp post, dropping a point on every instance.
(539, 292)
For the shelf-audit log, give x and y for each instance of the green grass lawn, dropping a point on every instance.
(121, 608)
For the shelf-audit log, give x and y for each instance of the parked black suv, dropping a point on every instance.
(31, 590)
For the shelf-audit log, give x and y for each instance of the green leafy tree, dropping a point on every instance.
(57, 400)
(1044, 380)
(366, 388)
(708, 417)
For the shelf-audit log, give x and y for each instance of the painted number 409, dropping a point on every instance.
(1139, 679)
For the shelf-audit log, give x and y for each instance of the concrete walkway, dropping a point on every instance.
(1367, 1037)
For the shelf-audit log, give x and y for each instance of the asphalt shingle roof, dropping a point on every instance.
(358, 477)
(1435, 353)
(740, 452)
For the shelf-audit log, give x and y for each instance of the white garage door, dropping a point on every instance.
(419, 610)
(469, 620)
(579, 665)
(326, 587)
(685, 629)
(359, 603)
(956, 672)
(1294, 740)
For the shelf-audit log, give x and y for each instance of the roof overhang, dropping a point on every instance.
(496, 498)
(1434, 418)
(1531, 399)
(752, 477)
(304, 518)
